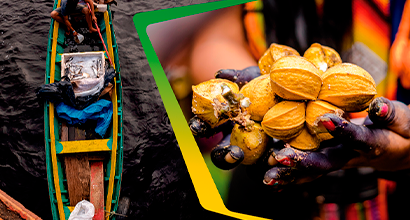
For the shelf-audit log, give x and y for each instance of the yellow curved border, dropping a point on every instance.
(204, 185)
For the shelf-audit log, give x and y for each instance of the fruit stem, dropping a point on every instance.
(234, 108)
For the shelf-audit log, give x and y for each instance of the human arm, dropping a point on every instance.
(68, 25)
(385, 144)
(220, 44)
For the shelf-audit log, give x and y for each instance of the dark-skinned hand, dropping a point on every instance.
(382, 143)
(225, 156)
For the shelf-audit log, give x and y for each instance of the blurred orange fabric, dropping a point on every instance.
(400, 50)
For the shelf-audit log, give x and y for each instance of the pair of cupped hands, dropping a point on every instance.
(381, 142)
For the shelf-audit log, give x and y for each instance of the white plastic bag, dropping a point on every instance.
(84, 210)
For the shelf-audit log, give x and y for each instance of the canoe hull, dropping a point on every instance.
(56, 148)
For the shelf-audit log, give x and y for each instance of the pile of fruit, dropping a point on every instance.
(287, 100)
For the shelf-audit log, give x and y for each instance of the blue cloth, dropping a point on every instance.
(101, 111)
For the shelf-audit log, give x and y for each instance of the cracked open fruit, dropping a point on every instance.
(308, 87)
(322, 57)
(204, 97)
(272, 54)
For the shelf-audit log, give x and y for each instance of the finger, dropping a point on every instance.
(199, 128)
(274, 146)
(291, 157)
(226, 156)
(355, 136)
(330, 157)
(280, 176)
(382, 149)
(266, 161)
(240, 77)
(392, 114)
(271, 161)
(389, 153)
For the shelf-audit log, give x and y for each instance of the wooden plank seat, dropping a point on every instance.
(84, 169)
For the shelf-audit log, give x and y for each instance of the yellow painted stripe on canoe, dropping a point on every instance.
(108, 34)
(115, 123)
(51, 119)
(114, 150)
(54, 162)
(84, 146)
(71, 208)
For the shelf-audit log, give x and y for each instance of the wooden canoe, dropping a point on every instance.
(12, 209)
(79, 166)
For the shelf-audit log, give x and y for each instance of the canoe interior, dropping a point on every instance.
(65, 44)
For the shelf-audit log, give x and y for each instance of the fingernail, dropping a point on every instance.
(272, 182)
(383, 109)
(272, 161)
(328, 124)
(230, 158)
(285, 161)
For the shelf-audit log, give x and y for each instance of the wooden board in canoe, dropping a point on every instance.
(81, 165)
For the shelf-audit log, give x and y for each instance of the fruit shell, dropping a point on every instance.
(203, 99)
(314, 110)
(305, 141)
(259, 92)
(322, 57)
(273, 53)
(348, 86)
(332, 57)
(285, 120)
(253, 143)
(295, 78)
(316, 55)
(324, 136)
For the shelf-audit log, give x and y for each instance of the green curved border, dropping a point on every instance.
(205, 187)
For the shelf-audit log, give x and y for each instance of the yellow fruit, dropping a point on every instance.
(285, 120)
(322, 57)
(295, 78)
(348, 86)
(253, 143)
(314, 110)
(203, 99)
(274, 52)
(305, 141)
(332, 57)
(324, 136)
(259, 92)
